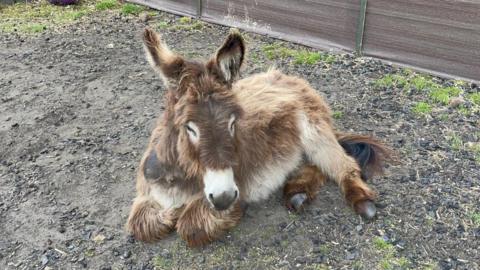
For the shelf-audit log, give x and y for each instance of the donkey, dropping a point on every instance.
(222, 143)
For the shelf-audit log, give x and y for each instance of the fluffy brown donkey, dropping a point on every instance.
(222, 143)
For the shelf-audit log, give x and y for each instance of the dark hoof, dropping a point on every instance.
(366, 209)
(297, 201)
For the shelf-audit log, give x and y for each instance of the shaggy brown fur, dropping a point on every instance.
(277, 119)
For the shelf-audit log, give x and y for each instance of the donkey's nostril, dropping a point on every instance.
(223, 200)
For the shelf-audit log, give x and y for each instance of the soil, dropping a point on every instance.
(76, 110)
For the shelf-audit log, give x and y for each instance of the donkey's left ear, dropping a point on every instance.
(229, 57)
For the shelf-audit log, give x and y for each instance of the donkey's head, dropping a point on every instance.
(204, 112)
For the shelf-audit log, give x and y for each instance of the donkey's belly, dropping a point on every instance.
(271, 177)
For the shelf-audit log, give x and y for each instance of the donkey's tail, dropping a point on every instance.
(370, 153)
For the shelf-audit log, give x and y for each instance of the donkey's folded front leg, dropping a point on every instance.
(303, 187)
(148, 221)
(200, 224)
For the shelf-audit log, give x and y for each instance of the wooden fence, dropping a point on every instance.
(437, 36)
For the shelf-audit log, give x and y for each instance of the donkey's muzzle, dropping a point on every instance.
(224, 200)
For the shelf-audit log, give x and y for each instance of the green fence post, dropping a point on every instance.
(360, 27)
(199, 9)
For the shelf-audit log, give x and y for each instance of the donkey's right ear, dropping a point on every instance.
(165, 62)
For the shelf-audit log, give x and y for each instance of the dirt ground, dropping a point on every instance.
(77, 106)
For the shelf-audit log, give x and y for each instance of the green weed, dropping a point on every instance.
(131, 9)
(337, 114)
(106, 4)
(162, 25)
(306, 57)
(35, 17)
(422, 83)
(474, 98)
(444, 94)
(161, 263)
(475, 218)
(456, 142)
(381, 244)
(188, 24)
(422, 108)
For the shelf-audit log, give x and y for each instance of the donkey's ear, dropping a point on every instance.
(229, 57)
(164, 61)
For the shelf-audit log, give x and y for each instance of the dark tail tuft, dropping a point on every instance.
(370, 154)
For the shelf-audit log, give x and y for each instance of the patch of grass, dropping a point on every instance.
(185, 20)
(403, 262)
(385, 81)
(381, 244)
(188, 24)
(422, 108)
(89, 252)
(443, 117)
(35, 17)
(428, 266)
(306, 57)
(407, 71)
(34, 28)
(422, 83)
(456, 142)
(324, 249)
(337, 114)
(300, 57)
(357, 265)
(276, 50)
(475, 148)
(385, 264)
(106, 4)
(131, 9)
(475, 218)
(162, 25)
(474, 98)
(391, 80)
(464, 110)
(389, 258)
(444, 94)
(161, 263)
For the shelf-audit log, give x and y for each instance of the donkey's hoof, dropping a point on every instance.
(297, 201)
(366, 209)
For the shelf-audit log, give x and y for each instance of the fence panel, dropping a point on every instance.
(438, 35)
(320, 23)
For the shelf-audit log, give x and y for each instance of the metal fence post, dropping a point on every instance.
(199, 9)
(360, 27)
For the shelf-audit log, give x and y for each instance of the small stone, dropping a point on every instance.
(145, 17)
(44, 260)
(351, 256)
(126, 254)
(456, 101)
(99, 238)
(110, 46)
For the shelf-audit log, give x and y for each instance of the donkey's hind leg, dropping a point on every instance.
(148, 221)
(323, 149)
(302, 187)
(199, 224)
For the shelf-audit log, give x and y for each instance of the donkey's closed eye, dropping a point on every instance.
(193, 132)
(231, 125)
